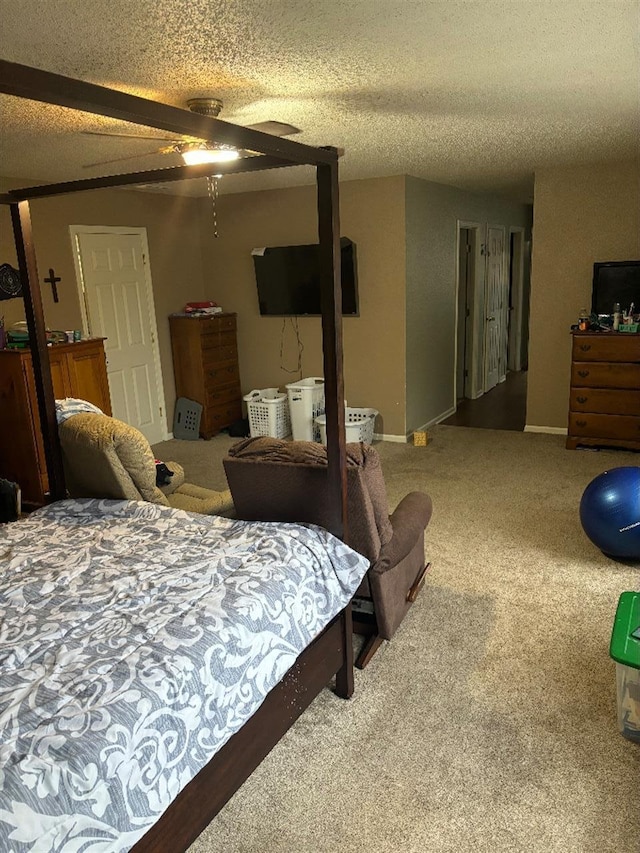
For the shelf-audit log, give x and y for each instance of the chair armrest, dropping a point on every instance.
(409, 520)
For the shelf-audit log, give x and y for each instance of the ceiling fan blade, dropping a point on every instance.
(119, 159)
(275, 128)
(131, 136)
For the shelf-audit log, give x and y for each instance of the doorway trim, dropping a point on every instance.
(76, 231)
(514, 346)
(476, 300)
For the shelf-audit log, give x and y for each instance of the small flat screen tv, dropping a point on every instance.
(615, 281)
(288, 279)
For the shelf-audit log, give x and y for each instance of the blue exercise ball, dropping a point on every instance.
(610, 512)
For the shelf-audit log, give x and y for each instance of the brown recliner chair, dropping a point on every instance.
(275, 480)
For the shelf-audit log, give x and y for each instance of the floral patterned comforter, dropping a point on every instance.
(135, 639)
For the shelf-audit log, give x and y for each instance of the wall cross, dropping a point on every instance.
(53, 281)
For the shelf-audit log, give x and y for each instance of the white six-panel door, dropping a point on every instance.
(118, 305)
(496, 297)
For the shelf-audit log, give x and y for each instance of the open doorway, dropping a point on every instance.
(492, 327)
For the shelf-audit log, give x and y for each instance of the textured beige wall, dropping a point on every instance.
(581, 215)
(372, 215)
(172, 224)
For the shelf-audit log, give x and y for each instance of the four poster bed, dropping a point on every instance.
(152, 658)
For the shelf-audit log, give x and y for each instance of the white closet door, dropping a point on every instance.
(119, 305)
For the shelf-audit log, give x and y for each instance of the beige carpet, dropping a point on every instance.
(489, 722)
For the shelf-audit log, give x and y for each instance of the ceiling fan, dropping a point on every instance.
(192, 150)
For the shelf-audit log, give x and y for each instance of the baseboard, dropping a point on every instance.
(434, 421)
(546, 429)
(401, 439)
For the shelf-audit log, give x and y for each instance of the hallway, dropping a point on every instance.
(504, 407)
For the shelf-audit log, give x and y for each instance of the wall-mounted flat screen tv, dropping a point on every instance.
(288, 279)
(615, 281)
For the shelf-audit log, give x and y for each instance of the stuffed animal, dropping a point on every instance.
(163, 474)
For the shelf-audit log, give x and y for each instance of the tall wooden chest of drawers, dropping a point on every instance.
(205, 364)
(77, 370)
(604, 403)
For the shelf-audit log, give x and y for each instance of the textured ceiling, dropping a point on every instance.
(477, 94)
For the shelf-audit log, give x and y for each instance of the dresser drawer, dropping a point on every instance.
(223, 394)
(221, 353)
(604, 426)
(605, 401)
(606, 347)
(217, 323)
(227, 373)
(216, 418)
(601, 375)
(217, 338)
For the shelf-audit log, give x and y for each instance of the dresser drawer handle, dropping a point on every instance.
(585, 347)
(583, 373)
(582, 400)
(581, 423)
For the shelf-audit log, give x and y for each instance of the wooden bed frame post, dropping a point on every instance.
(331, 301)
(23, 234)
(344, 676)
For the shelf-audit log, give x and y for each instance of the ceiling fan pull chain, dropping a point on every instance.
(212, 189)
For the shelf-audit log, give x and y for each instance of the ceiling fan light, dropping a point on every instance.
(197, 156)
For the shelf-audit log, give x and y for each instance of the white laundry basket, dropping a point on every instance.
(268, 413)
(306, 402)
(358, 425)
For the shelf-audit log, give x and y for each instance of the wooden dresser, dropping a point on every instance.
(77, 370)
(604, 404)
(205, 364)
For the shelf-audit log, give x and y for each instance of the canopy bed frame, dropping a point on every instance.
(331, 652)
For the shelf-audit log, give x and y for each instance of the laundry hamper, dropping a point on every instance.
(306, 402)
(268, 413)
(358, 425)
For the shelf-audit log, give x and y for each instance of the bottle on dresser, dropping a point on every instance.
(584, 320)
(617, 316)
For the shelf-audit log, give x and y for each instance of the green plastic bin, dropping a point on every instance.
(625, 651)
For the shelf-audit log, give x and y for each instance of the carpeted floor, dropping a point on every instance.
(489, 722)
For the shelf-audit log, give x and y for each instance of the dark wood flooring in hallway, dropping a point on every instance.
(504, 407)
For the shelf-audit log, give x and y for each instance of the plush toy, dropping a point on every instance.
(163, 474)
